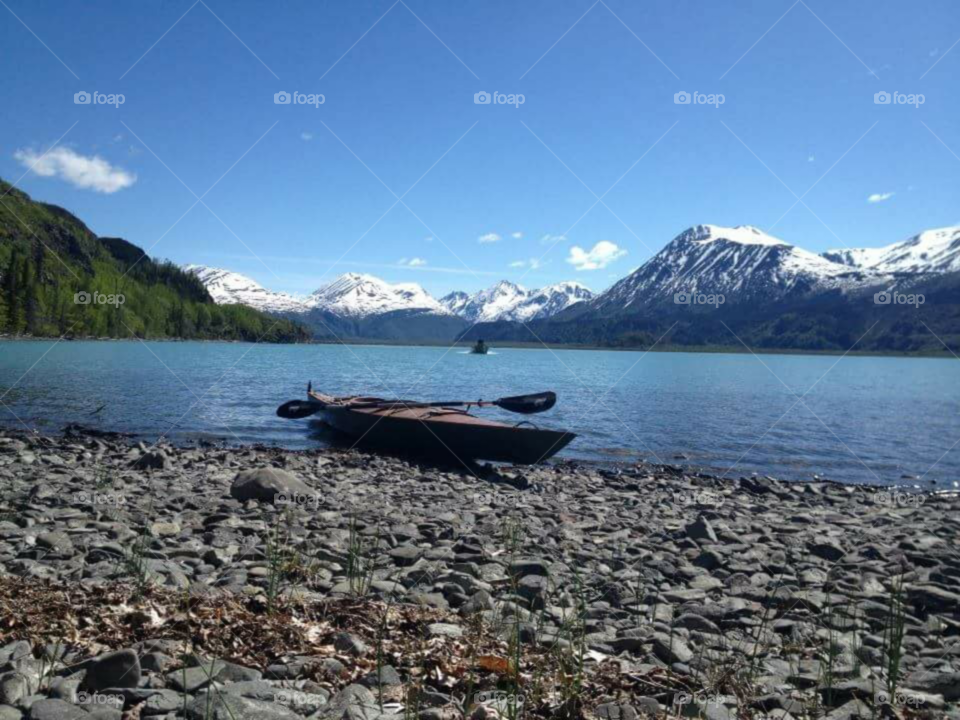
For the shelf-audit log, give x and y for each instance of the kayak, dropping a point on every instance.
(395, 427)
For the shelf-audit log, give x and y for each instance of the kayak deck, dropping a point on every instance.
(433, 431)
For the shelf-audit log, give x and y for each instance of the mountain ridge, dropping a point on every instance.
(59, 279)
(356, 303)
(716, 286)
(935, 250)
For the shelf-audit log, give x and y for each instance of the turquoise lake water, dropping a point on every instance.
(854, 419)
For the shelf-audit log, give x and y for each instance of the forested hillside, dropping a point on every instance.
(58, 278)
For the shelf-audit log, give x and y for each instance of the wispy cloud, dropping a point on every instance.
(89, 173)
(412, 262)
(308, 136)
(517, 236)
(532, 264)
(597, 258)
(880, 197)
(488, 238)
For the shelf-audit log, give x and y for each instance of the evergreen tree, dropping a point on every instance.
(31, 288)
(11, 291)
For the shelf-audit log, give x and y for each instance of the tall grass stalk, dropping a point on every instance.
(361, 558)
(894, 631)
(135, 564)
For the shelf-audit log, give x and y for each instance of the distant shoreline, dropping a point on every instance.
(689, 349)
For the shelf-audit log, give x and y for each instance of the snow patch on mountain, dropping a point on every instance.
(548, 301)
(356, 295)
(509, 301)
(932, 251)
(230, 288)
(455, 302)
(742, 235)
(487, 305)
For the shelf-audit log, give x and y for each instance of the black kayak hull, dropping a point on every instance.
(496, 442)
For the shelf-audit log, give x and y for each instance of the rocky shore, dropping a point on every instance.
(161, 582)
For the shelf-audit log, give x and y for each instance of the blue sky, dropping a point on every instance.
(296, 188)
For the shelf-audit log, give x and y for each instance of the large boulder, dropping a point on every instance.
(266, 483)
(216, 705)
(119, 669)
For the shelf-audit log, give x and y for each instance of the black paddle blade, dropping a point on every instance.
(297, 409)
(529, 404)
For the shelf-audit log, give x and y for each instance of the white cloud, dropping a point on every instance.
(597, 258)
(517, 236)
(810, 158)
(488, 238)
(89, 173)
(532, 263)
(308, 136)
(412, 262)
(880, 197)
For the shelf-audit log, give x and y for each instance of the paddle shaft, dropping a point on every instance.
(417, 404)
(523, 404)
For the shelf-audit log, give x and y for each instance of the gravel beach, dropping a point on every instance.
(211, 582)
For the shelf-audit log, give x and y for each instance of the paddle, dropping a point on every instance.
(523, 404)
(298, 409)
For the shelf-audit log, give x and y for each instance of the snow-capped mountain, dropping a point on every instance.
(742, 263)
(548, 301)
(757, 274)
(230, 288)
(455, 302)
(354, 295)
(508, 301)
(487, 305)
(933, 251)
